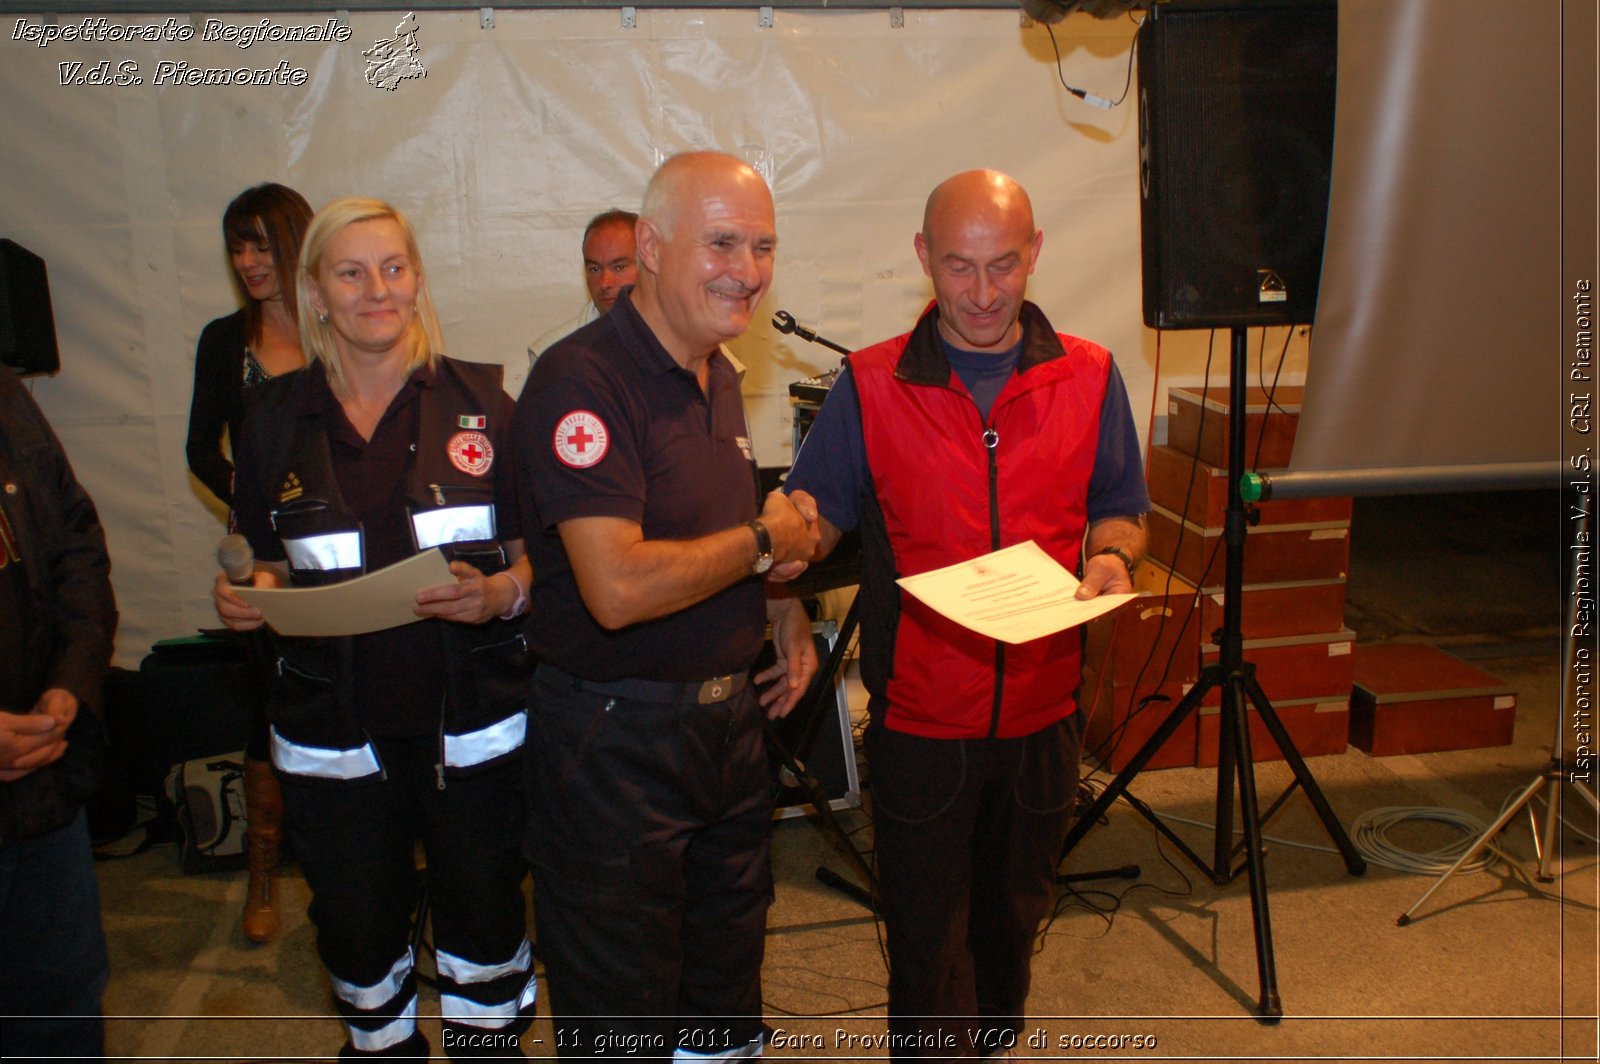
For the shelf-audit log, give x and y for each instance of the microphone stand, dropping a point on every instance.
(784, 322)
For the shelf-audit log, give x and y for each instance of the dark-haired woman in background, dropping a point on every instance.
(263, 228)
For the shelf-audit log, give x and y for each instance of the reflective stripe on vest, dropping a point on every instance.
(453, 524)
(322, 762)
(332, 550)
(486, 744)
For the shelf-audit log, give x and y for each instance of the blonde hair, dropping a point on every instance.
(316, 332)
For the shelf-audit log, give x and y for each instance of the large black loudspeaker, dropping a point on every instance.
(1235, 155)
(27, 326)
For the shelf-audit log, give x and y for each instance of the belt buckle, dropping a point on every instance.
(716, 689)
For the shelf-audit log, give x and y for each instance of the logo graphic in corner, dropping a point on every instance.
(392, 61)
(1273, 290)
(471, 453)
(290, 489)
(581, 439)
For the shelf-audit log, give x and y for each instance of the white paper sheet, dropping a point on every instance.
(1013, 595)
(371, 603)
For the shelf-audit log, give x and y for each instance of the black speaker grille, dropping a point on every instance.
(1236, 143)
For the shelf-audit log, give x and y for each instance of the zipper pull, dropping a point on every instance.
(991, 439)
(438, 771)
(438, 494)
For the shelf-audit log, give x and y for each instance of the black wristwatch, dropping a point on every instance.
(763, 560)
(1127, 560)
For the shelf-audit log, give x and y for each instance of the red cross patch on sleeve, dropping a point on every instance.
(581, 439)
(471, 453)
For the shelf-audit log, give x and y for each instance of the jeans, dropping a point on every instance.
(55, 966)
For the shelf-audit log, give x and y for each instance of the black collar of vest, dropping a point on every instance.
(924, 361)
(310, 391)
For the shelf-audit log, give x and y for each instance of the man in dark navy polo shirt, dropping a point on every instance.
(655, 565)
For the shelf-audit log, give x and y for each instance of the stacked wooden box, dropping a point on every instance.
(1413, 699)
(1293, 595)
(1126, 655)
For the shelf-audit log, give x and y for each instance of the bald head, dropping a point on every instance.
(706, 239)
(979, 246)
(986, 196)
(681, 179)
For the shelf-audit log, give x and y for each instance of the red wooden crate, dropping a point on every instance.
(1295, 666)
(1176, 478)
(1118, 727)
(1272, 553)
(1197, 424)
(1318, 726)
(1414, 698)
(1292, 607)
(1119, 644)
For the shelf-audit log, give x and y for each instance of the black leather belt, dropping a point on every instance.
(704, 692)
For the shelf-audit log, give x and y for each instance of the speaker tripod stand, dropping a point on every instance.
(1237, 680)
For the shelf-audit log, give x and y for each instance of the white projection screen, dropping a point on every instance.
(1437, 343)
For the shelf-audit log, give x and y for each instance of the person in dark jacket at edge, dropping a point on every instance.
(57, 620)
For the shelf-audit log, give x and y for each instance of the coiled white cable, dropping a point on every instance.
(1370, 833)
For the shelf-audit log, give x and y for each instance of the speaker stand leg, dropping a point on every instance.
(823, 686)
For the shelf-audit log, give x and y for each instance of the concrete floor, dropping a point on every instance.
(1495, 966)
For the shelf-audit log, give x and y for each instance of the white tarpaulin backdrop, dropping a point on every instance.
(515, 137)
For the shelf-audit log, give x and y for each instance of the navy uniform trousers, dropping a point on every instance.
(356, 844)
(648, 831)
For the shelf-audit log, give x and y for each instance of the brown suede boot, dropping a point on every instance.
(263, 805)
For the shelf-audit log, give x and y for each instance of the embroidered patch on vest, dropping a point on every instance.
(581, 439)
(471, 453)
(290, 489)
(472, 421)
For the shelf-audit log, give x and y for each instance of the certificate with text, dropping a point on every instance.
(369, 603)
(1013, 595)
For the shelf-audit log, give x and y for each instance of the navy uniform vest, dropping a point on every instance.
(312, 707)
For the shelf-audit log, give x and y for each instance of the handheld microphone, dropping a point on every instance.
(237, 559)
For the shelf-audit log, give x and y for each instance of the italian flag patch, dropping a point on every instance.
(472, 421)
